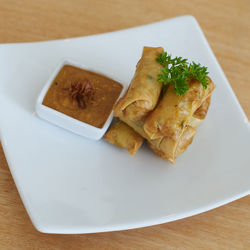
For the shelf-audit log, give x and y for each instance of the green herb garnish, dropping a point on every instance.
(179, 72)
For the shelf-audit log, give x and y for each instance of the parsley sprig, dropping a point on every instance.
(179, 72)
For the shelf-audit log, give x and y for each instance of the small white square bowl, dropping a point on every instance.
(65, 121)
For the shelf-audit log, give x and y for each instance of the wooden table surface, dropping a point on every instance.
(226, 24)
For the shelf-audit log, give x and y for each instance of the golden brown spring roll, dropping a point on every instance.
(168, 148)
(144, 90)
(120, 134)
(165, 146)
(174, 112)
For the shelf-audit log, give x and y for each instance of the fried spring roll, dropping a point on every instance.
(144, 90)
(168, 148)
(165, 146)
(174, 112)
(121, 135)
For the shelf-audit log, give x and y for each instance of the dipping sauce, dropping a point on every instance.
(84, 95)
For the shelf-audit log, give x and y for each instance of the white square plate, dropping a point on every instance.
(70, 184)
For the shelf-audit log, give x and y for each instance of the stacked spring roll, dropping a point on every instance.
(168, 123)
(172, 125)
(144, 90)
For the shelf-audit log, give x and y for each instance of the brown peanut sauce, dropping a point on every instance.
(84, 95)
